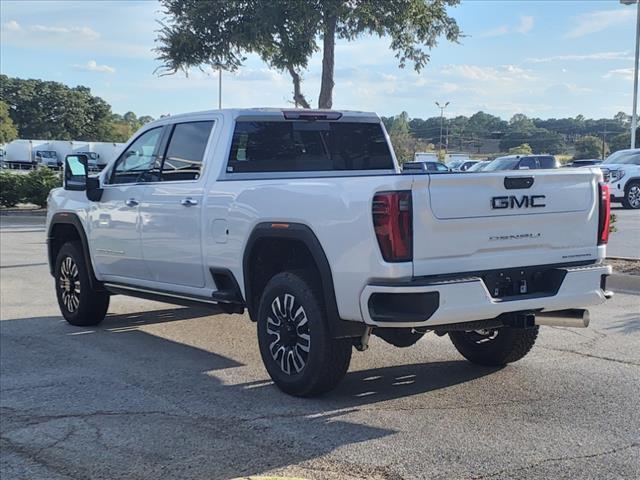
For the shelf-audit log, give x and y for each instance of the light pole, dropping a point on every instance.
(634, 116)
(219, 87)
(441, 107)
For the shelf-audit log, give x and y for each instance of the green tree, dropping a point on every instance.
(286, 33)
(539, 139)
(622, 141)
(589, 147)
(400, 124)
(8, 130)
(521, 123)
(52, 110)
(523, 149)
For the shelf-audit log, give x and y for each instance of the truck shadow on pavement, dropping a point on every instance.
(117, 401)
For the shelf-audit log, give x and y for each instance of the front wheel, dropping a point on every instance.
(79, 303)
(295, 343)
(631, 199)
(494, 347)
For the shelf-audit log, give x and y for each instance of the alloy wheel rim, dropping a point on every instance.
(288, 330)
(69, 284)
(634, 196)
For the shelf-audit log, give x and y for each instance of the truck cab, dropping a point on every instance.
(304, 219)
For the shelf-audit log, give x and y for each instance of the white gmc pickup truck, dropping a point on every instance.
(303, 218)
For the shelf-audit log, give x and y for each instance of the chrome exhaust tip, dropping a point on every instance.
(572, 317)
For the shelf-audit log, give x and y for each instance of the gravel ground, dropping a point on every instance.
(628, 267)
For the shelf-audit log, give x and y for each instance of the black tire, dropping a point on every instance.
(631, 199)
(85, 307)
(398, 337)
(300, 355)
(495, 347)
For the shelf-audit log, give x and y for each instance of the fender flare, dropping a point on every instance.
(338, 327)
(629, 182)
(68, 218)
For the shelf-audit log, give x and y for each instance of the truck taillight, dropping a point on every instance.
(604, 215)
(393, 224)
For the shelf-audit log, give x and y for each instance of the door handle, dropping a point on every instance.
(131, 202)
(188, 202)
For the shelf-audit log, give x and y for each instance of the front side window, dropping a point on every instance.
(286, 146)
(185, 153)
(138, 163)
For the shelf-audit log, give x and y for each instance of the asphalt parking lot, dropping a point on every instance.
(624, 242)
(168, 392)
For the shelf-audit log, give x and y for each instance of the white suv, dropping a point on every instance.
(622, 171)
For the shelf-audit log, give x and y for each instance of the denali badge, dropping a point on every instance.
(518, 236)
(511, 201)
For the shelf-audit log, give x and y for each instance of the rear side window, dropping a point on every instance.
(281, 146)
(547, 162)
(185, 152)
(528, 162)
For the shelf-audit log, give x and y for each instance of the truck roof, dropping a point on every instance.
(268, 112)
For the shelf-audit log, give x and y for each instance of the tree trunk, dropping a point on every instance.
(298, 97)
(325, 100)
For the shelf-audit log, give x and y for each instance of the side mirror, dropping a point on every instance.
(75, 172)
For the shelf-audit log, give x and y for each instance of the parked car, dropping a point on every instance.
(622, 170)
(522, 162)
(435, 167)
(478, 166)
(585, 162)
(303, 218)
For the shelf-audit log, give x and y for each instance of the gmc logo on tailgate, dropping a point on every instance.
(512, 201)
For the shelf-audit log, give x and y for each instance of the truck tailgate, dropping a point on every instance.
(485, 221)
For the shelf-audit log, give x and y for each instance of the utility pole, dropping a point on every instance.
(604, 136)
(441, 125)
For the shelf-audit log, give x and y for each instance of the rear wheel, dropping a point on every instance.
(295, 344)
(494, 347)
(79, 303)
(631, 199)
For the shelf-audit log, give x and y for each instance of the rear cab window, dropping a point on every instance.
(304, 146)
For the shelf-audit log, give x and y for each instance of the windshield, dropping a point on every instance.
(46, 154)
(477, 167)
(630, 157)
(454, 164)
(504, 163)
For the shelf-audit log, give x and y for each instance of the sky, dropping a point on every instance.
(545, 59)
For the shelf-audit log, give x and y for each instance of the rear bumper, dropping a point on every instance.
(467, 299)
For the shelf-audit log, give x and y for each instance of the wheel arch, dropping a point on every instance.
(64, 227)
(630, 181)
(297, 232)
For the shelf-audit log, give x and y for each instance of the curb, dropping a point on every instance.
(626, 259)
(624, 283)
(40, 212)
